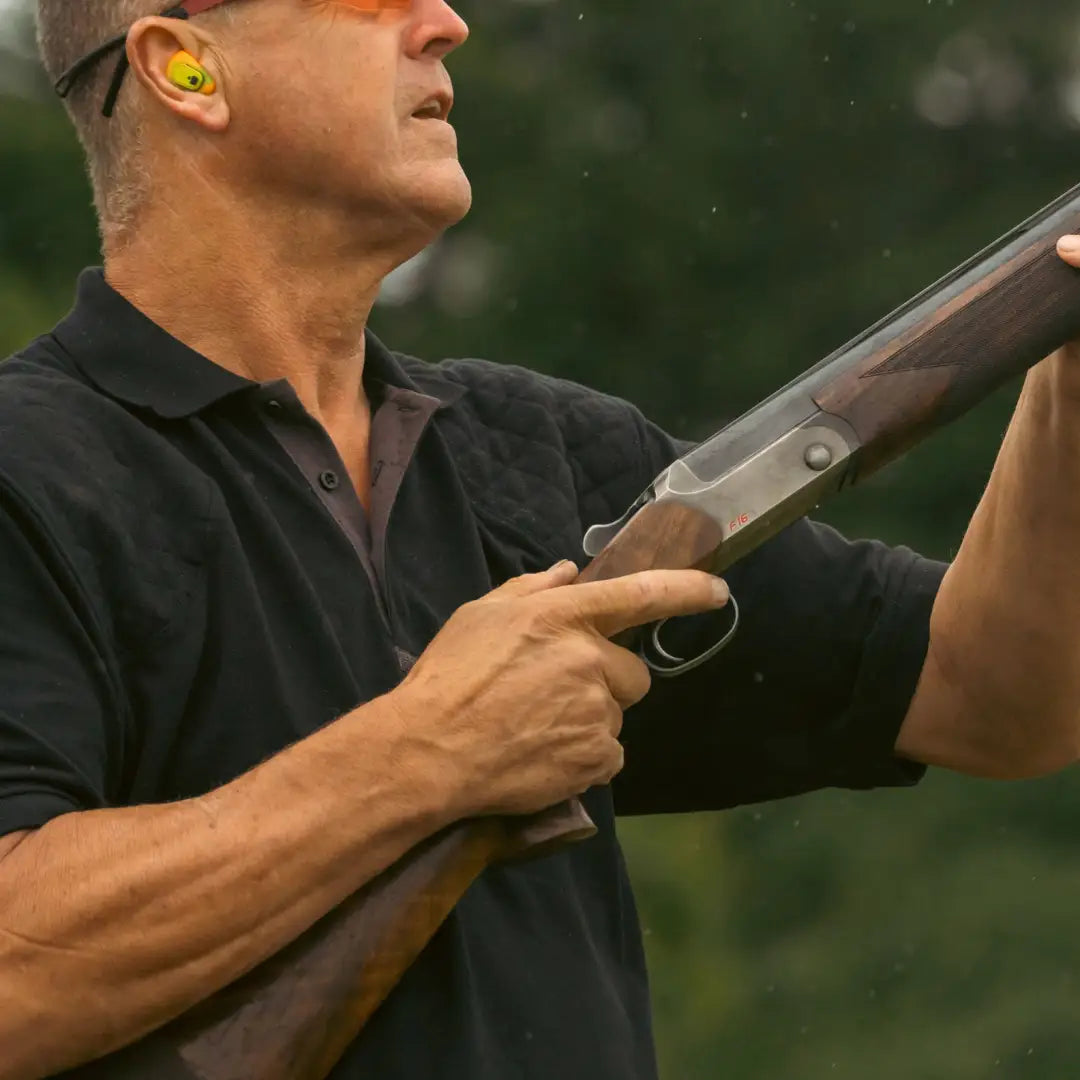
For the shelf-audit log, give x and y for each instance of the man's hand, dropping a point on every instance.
(522, 694)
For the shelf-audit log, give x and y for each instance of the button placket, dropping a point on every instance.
(413, 413)
(313, 454)
(316, 457)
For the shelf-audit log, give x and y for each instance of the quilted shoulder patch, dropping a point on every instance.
(546, 455)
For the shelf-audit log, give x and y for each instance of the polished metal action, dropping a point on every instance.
(751, 492)
(751, 499)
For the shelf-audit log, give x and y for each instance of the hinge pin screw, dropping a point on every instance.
(818, 457)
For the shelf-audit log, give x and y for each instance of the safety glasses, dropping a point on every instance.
(183, 10)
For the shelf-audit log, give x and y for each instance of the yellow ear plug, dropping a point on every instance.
(187, 73)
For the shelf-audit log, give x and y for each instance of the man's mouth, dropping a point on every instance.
(437, 107)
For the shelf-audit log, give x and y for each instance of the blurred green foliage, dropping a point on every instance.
(687, 204)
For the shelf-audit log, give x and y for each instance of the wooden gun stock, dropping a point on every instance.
(293, 1017)
(935, 358)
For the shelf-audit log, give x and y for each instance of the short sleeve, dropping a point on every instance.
(812, 690)
(59, 716)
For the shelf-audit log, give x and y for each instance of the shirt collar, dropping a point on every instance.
(131, 358)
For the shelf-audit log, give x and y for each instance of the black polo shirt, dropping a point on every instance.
(188, 584)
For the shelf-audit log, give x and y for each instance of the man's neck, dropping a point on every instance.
(266, 296)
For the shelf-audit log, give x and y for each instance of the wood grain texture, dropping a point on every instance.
(662, 536)
(941, 367)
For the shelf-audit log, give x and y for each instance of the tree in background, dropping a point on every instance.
(687, 204)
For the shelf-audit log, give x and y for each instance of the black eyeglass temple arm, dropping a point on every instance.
(67, 81)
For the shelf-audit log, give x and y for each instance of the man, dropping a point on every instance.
(276, 606)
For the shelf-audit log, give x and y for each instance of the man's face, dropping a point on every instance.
(342, 102)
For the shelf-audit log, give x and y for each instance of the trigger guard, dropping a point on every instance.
(651, 647)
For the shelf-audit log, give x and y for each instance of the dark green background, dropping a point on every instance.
(686, 203)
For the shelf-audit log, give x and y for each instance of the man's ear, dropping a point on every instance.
(151, 43)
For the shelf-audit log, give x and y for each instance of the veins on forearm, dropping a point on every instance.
(22, 941)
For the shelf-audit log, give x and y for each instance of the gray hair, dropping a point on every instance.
(119, 174)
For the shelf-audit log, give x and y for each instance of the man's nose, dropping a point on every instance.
(439, 29)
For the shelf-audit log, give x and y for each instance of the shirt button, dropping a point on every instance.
(329, 480)
(274, 406)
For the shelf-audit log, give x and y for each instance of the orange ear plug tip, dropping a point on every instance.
(187, 73)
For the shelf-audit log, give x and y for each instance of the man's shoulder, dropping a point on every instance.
(532, 445)
(511, 399)
(78, 460)
(37, 374)
(52, 418)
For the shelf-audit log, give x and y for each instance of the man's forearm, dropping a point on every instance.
(1000, 693)
(114, 922)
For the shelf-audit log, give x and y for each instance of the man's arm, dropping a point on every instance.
(113, 922)
(999, 695)
(9, 843)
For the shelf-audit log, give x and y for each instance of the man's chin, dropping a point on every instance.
(447, 196)
(463, 203)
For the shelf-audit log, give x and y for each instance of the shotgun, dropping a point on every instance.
(860, 408)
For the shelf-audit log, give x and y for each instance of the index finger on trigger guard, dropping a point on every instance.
(618, 604)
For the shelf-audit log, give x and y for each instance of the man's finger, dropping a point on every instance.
(1069, 249)
(621, 603)
(628, 677)
(563, 573)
